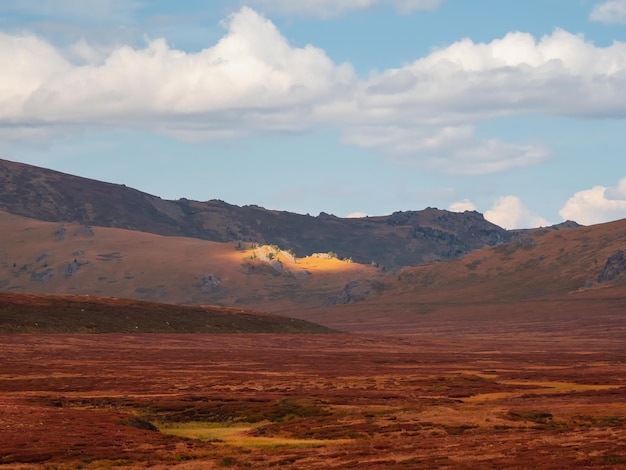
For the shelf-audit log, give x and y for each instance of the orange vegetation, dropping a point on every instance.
(455, 397)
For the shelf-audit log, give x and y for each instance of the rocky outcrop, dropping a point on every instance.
(42, 276)
(614, 268)
(354, 291)
(210, 283)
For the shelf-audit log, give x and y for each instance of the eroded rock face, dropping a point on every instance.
(354, 291)
(210, 283)
(42, 276)
(615, 267)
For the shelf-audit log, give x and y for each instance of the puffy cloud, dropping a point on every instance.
(427, 110)
(425, 113)
(509, 212)
(325, 9)
(613, 11)
(560, 74)
(34, 63)
(596, 205)
(462, 206)
(356, 215)
(252, 79)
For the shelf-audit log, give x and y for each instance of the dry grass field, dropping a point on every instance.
(52, 258)
(507, 392)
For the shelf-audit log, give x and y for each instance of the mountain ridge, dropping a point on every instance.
(393, 241)
(553, 270)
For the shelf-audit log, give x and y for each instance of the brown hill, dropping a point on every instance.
(556, 262)
(577, 270)
(52, 258)
(578, 273)
(400, 239)
(29, 313)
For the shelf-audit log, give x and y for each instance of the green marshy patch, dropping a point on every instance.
(231, 410)
(599, 421)
(545, 420)
(539, 417)
(247, 423)
(239, 435)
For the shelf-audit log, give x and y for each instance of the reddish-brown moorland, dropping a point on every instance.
(501, 393)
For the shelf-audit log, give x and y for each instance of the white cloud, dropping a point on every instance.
(356, 215)
(251, 79)
(325, 9)
(462, 206)
(34, 63)
(509, 212)
(425, 113)
(613, 11)
(597, 205)
(560, 74)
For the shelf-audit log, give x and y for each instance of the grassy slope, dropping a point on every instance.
(552, 273)
(556, 263)
(129, 264)
(549, 276)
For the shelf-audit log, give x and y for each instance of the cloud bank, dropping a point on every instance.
(426, 112)
(356, 215)
(251, 79)
(596, 205)
(509, 213)
(462, 206)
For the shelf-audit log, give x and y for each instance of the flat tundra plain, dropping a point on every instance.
(504, 394)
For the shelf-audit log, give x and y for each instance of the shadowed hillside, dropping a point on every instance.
(28, 313)
(400, 239)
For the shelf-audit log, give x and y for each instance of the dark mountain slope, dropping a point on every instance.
(400, 239)
(52, 196)
(30, 313)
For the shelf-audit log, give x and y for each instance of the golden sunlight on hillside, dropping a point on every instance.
(57, 258)
(561, 266)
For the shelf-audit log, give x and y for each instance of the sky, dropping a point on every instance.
(516, 109)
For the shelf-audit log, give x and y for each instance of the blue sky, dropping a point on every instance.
(350, 107)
